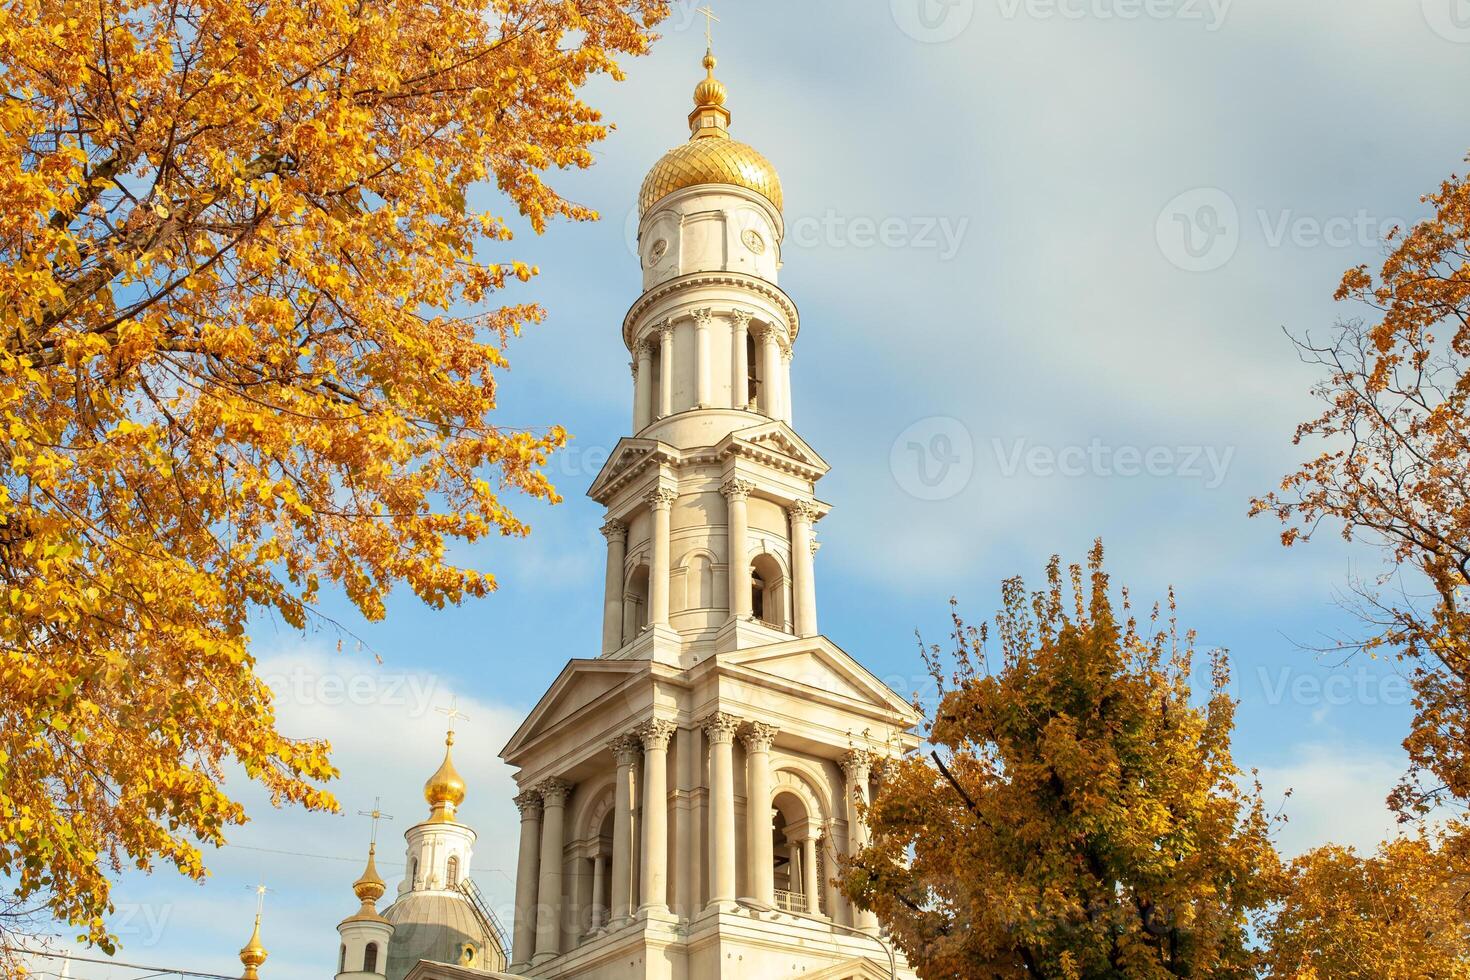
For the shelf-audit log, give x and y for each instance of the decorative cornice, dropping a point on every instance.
(661, 498)
(759, 737)
(720, 727)
(655, 734)
(697, 280)
(614, 529)
(737, 489)
(554, 791)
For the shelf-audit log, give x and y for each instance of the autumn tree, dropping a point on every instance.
(1398, 914)
(1079, 815)
(236, 248)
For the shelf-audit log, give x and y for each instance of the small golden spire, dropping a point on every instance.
(253, 952)
(710, 118)
(445, 789)
(370, 887)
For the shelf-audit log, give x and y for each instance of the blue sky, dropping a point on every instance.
(1045, 251)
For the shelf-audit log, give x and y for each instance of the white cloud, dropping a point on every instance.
(1338, 794)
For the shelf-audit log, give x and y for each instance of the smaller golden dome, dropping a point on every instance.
(370, 887)
(710, 93)
(253, 954)
(445, 789)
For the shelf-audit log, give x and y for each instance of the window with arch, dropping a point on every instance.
(752, 374)
(768, 591)
(370, 958)
(342, 960)
(413, 872)
(451, 872)
(699, 582)
(635, 603)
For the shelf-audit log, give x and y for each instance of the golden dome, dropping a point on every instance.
(445, 789)
(369, 888)
(710, 156)
(253, 954)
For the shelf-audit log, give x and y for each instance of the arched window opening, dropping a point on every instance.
(752, 374)
(699, 583)
(451, 872)
(413, 872)
(656, 379)
(370, 958)
(768, 591)
(342, 960)
(635, 603)
(797, 873)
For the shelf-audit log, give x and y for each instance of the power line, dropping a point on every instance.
(155, 970)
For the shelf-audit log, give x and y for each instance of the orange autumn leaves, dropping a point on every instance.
(235, 240)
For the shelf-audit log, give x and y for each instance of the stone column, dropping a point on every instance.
(702, 320)
(810, 883)
(858, 766)
(665, 369)
(739, 366)
(660, 501)
(805, 591)
(654, 871)
(554, 794)
(758, 825)
(599, 875)
(770, 373)
(625, 751)
(719, 730)
(737, 494)
(616, 533)
(643, 395)
(528, 870)
(786, 383)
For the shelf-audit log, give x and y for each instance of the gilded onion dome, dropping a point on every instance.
(253, 954)
(445, 789)
(710, 156)
(369, 888)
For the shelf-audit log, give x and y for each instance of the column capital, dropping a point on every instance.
(614, 529)
(625, 749)
(655, 734)
(758, 737)
(741, 318)
(703, 317)
(720, 728)
(857, 764)
(767, 333)
(786, 351)
(737, 489)
(554, 792)
(802, 510)
(647, 346)
(529, 803)
(665, 330)
(661, 498)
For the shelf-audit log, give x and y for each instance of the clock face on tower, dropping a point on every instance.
(657, 252)
(753, 241)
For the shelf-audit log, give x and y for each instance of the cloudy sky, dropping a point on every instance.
(1046, 252)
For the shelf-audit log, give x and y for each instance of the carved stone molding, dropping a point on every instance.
(554, 792)
(741, 319)
(720, 728)
(803, 511)
(614, 529)
(528, 803)
(662, 498)
(733, 489)
(857, 764)
(655, 734)
(665, 331)
(759, 737)
(704, 316)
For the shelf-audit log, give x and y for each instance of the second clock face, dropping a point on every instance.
(657, 252)
(753, 241)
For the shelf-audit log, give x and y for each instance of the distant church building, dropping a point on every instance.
(685, 796)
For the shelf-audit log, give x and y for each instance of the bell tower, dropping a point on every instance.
(688, 790)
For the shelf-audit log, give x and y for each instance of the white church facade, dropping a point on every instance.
(687, 794)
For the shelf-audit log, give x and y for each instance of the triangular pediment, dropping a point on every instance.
(581, 685)
(626, 455)
(819, 665)
(857, 969)
(780, 439)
